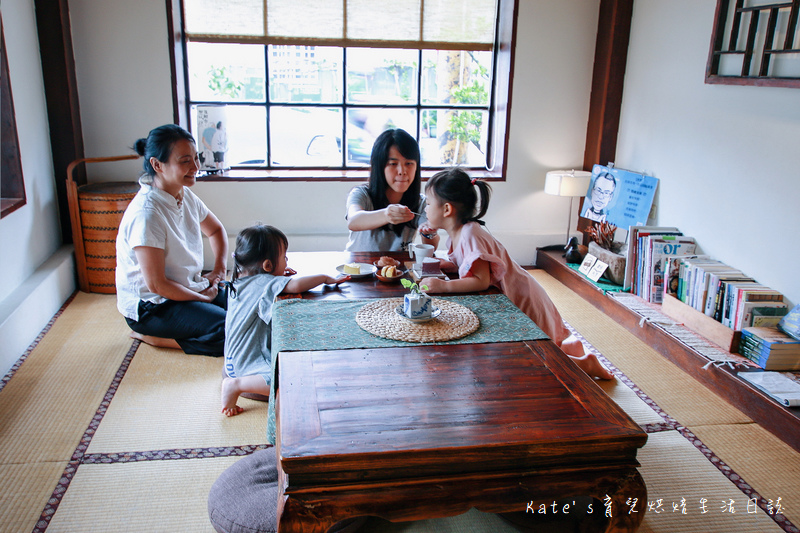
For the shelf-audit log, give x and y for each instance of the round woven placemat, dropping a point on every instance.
(380, 319)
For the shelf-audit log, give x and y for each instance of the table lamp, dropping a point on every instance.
(570, 183)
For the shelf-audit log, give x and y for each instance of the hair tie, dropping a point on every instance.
(473, 180)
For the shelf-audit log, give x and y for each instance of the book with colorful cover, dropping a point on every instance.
(790, 324)
(763, 314)
(716, 286)
(774, 338)
(751, 295)
(633, 250)
(711, 276)
(672, 278)
(663, 248)
(772, 360)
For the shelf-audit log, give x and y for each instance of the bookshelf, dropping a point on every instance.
(783, 422)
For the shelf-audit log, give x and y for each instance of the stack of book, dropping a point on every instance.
(724, 293)
(770, 348)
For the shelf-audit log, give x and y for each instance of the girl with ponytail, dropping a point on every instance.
(457, 203)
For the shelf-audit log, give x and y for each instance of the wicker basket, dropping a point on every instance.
(95, 212)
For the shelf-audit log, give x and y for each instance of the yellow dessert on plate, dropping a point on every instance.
(351, 268)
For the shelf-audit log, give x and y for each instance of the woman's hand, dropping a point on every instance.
(210, 292)
(398, 213)
(215, 277)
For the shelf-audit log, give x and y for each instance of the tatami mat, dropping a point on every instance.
(767, 463)
(675, 391)
(151, 496)
(169, 401)
(674, 470)
(47, 405)
(172, 400)
(24, 491)
(637, 409)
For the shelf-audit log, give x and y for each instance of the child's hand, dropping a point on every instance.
(337, 280)
(289, 272)
(434, 284)
(427, 231)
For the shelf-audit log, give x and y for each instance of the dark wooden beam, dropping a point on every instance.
(610, 58)
(61, 93)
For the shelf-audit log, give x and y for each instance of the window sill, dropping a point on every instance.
(310, 174)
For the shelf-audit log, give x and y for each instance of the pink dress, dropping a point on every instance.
(520, 287)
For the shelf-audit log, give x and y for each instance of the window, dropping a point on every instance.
(12, 187)
(308, 84)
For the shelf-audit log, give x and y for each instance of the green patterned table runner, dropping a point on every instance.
(299, 325)
(604, 286)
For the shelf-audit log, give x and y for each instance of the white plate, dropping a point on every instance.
(434, 313)
(365, 270)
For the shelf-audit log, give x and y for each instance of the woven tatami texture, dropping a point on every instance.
(172, 400)
(155, 449)
(46, 406)
(146, 496)
(768, 464)
(674, 469)
(673, 390)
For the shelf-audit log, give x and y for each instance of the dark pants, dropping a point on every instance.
(199, 327)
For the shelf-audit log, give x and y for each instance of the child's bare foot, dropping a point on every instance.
(230, 393)
(158, 342)
(590, 364)
(572, 346)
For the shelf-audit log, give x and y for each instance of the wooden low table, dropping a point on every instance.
(418, 432)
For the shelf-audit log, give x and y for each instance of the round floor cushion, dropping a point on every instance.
(244, 499)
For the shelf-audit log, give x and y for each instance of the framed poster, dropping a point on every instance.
(619, 197)
(212, 137)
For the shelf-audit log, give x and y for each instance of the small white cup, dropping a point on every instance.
(419, 252)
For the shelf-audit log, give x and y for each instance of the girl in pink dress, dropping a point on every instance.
(453, 204)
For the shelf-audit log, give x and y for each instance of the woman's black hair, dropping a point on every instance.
(158, 144)
(254, 245)
(408, 148)
(454, 186)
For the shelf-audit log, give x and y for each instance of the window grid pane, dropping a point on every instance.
(323, 107)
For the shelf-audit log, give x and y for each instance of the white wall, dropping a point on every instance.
(726, 156)
(124, 85)
(30, 235)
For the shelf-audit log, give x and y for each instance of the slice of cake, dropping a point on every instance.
(351, 268)
(430, 267)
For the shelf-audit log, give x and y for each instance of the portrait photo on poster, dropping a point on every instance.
(212, 137)
(619, 197)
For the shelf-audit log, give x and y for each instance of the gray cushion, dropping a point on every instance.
(244, 499)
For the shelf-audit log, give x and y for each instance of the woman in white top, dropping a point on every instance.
(385, 214)
(161, 290)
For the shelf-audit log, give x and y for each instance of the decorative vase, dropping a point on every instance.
(573, 254)
(417, 305)
(615, 273)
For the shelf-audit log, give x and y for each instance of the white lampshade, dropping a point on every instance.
(567, 182)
